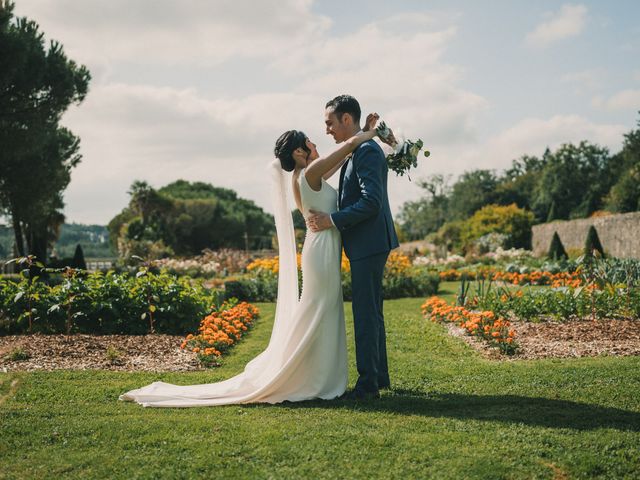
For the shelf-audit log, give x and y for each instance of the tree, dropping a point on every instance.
(175, 219)
(471, 192)
(556, 249)
(575, 180)
(426, 215)
(625, 193)
(592, 244)
(552, 215)
(37, 85)
(78, 259)
(518, 183)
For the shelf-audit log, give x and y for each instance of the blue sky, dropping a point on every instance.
(201, 89)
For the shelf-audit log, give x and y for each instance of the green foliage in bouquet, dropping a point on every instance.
(405, 154)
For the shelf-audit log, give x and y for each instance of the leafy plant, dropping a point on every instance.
(18, 354)
(113, 355)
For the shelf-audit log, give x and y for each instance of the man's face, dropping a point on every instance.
(337, 129)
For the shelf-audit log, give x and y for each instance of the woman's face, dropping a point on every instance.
(302, 158)
(314, 151)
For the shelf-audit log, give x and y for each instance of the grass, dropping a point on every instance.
(450, 414)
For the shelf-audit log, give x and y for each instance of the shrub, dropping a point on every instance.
(261, 287)
(78, 259)
(508, 220)
(556, 249)
(592, 244)
(104, 304)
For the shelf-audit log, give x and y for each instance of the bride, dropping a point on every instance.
(307, 354)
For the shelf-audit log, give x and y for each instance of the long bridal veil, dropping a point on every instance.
(287, 261)
(274, 375)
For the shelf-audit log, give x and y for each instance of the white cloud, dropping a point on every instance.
(568, 22)
(531, 136)
(167, 32)
(583, 81)
(164, 102)
(620, 101)
(160, 133)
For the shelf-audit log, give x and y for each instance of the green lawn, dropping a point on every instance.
(450, 414)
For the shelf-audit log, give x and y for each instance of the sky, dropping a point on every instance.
(200, 90)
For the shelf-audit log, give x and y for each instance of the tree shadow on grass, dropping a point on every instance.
(534, 411)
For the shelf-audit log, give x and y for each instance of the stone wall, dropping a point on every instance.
(619, 234)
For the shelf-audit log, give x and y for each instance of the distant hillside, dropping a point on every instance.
(93, 238)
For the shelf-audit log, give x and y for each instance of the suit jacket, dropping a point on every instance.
(363, 216)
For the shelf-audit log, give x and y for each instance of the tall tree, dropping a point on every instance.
(37, 85)
(625, 194)
(574, 181)
(420, 217)
(518, 183)
(472, 191)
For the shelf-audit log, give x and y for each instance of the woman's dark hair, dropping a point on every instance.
(345, 104)
(286, 144)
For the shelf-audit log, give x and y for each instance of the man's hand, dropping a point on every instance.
(319, 221)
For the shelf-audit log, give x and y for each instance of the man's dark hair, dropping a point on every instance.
(345, 104)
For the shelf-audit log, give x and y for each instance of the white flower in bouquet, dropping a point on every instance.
(405, 152)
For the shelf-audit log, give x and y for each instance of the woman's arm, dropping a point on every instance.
(323, 165)
(331, 172)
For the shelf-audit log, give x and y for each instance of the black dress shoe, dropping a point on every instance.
(356, 394)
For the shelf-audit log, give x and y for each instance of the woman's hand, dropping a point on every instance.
(386, 135)
(370, 122)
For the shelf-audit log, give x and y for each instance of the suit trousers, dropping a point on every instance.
(368, 322)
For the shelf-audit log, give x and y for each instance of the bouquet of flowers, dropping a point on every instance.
(405, 153)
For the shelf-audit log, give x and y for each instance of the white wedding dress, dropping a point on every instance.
(307, 354)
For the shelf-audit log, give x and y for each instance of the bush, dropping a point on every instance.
(508, 220)
(414, 282)
(592, 244)
(78, 259)
(556, 249)
(259, 288)
(400, 280)
(460, 235)
(104, 304)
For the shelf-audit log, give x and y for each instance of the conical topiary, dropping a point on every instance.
(78, 259)
(556, 249)
(593, 243)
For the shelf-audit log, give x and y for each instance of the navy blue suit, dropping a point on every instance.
(368, 235)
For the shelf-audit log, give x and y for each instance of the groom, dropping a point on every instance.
(368, 234)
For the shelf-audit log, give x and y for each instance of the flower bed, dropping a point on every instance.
(220, 330)
(401, 279)
(100, 303)
(563, 303)
(484, 324)
(536, 277)
(210, 263)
